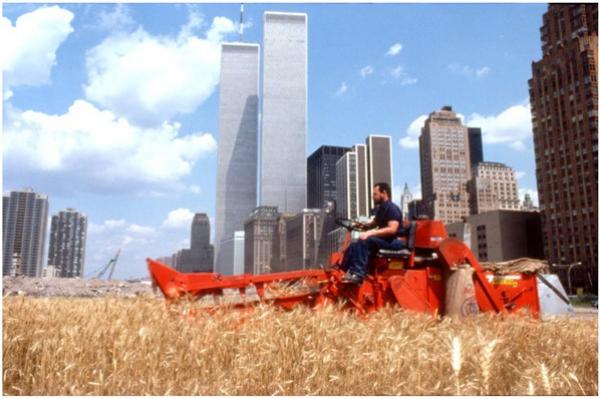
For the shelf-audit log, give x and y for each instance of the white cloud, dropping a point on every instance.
(394, 50)
(195, 189)
(405, 79)
(30, 46)
(342, 90)
(512, 126)
(398, 71)
(180, 218)
(411, 140)
(93, 150)
(482, 71)
(141, 230)
(366, 71)
(106, 226)
(117, 20)
(468, 71)
(148, 79)
(520, 174)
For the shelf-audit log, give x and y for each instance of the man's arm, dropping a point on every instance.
(366, 226)
(390, 230)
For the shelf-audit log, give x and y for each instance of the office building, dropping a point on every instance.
(475, 146)
(347, 172)
(379, 159)
(493, 186)
(237, 154)
(24, 220)
(232, 246)
(278, 260)
(294, 244)
(445, 166)
(68, 233)
(259, 231)
(321, 175)
(500, 235)
(363, 190)
(284, 112)
(563, 94)
(322, 189)
(199, 257)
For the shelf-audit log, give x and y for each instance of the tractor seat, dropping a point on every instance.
(410, 231)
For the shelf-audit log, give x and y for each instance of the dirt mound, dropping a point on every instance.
(74, 287)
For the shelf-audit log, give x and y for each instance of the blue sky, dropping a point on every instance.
(112, 109)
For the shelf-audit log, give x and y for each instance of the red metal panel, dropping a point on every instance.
(429, 233)
(515, 290)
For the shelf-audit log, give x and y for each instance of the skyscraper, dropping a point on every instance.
(320, 171)
(233, 254)
(200, 257)
(475, 146)
(322, 188)
(259, 230)
(563, 94)
(347, 197)
(445, 166)
(379, 158)
(68, 232)
(24, 219)
(237, 157)
(362, 177)
(284, 112)
(492, 187)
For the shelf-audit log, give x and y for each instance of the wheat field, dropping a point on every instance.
(116, 346)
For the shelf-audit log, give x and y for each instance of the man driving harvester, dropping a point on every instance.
(388, 220)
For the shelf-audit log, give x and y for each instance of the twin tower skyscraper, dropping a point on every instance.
(278, 111)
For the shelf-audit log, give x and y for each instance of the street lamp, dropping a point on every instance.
(568, 272)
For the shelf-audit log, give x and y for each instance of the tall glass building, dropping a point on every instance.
(68, 231)
(24, 219)
(322, 186)
(284, 112)
(237, 158)
(379, 158)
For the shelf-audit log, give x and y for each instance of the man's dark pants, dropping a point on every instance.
(357, 254)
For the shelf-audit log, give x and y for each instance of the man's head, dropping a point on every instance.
(381, 192)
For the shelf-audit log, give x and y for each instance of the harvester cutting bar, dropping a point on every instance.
(174, 284)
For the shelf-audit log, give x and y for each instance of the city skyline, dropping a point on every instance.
(150, 159)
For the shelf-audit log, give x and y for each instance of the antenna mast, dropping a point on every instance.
(242, 23)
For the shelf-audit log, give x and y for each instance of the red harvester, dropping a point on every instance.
(428, 277)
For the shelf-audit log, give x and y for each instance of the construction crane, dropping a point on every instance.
(111, 264)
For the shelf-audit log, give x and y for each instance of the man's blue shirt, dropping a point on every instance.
(388, 211)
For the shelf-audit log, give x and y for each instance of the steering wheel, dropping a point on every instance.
(348, 224)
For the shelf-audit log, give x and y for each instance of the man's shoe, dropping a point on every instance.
(353, 279)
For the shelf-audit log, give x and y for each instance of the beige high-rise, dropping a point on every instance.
(493, 186)
(445, 166)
